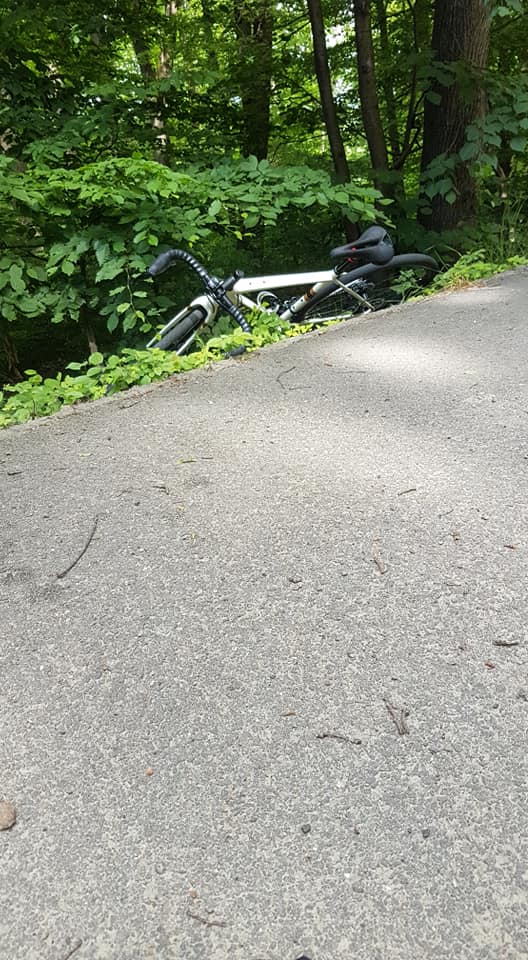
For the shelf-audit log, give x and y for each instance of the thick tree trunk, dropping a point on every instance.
(368, 94)
(254, 28)
(322, 72)
(460, 33)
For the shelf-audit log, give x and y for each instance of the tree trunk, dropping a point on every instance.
(254, 29)
(7, 345)
(386, 81)
(460, 33)
(421, 25)
(322, 72)
(155, 68)
(370, 110)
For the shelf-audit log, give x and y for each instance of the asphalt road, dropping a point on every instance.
(279, 706)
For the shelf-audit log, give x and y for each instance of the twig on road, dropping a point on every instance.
(205, 921)
(398, 716)
(83, 551)
(337, 736)
(73, 949)
(283, 374)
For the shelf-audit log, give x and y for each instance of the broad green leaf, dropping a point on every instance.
(15, 278)
(111, 269)
(251, 220)
(214, 208)
(36, 273)
(129, 321)
(469, 151)
(102, 251)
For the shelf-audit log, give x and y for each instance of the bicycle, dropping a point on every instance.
(359, 283)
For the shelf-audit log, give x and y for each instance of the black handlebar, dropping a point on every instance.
(216, 288)
(161, 263)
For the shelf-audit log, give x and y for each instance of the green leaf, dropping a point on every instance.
(95, 358)
(15, 278)
(214, 208)
(36, 273)
(129, 322)
(251, 220)
(469, 151)
(473, 133)
(102, 251)
(110, 269)
(443, 187)
(68, 267)
(518, 144)
(123, 307)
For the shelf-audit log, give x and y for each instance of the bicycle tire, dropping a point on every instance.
(379, 292)
(180, 333)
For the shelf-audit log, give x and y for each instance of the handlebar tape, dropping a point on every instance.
(165, 260)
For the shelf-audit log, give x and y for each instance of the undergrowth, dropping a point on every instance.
(38, 396)
(472, 267)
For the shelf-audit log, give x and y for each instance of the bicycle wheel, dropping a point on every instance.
(181, 335)
(379, 288)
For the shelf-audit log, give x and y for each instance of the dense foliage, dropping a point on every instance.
(129, 127)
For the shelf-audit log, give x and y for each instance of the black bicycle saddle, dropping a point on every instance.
(373, 246)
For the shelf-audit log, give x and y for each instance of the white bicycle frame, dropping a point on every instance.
(316, 281)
